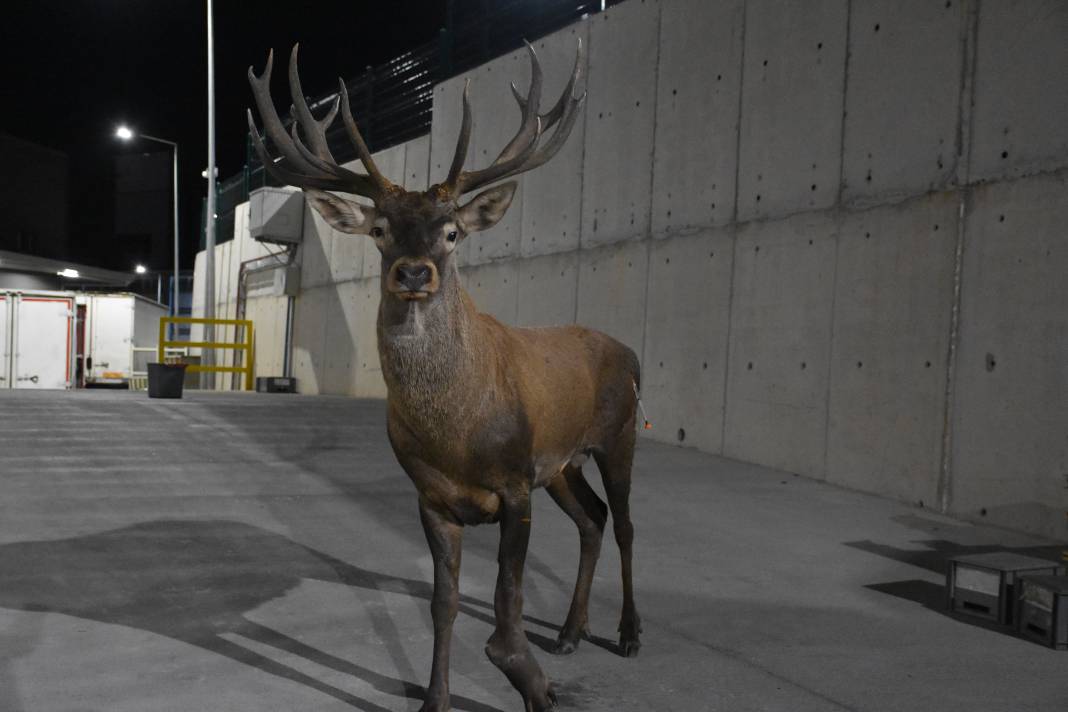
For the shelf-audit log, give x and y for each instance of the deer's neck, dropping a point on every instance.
(431, 359)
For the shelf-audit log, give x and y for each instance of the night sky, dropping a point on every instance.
(74, 69)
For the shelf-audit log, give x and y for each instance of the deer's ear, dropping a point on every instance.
(342, 215)
(487, 208)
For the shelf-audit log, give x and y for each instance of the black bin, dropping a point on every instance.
(165, 380)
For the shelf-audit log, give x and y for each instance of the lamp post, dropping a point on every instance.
(126, 134)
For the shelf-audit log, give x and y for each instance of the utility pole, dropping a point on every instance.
(207, 355)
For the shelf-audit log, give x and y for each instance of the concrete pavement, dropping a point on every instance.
(251, 552)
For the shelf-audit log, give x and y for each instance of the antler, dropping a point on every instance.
(523, 152)
(299, 165)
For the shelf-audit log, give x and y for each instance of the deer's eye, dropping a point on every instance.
(451, 237)
(377, 231)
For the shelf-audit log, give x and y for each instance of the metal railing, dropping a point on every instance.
(246, 348)
(393, 101)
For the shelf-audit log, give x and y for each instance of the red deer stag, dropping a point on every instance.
(479, 414)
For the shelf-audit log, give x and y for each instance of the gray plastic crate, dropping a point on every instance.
(981, 585)
(1042, 610)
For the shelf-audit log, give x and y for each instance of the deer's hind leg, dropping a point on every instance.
(614, 461)
(575, 496)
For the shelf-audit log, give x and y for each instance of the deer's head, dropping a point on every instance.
(416, 231)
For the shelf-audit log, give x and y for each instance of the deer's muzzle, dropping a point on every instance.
(410, 279)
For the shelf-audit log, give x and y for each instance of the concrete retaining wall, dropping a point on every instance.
(834, 231)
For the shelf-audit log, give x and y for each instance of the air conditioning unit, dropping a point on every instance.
(276, 215)
(282, 281)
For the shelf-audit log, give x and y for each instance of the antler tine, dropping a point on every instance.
(568, 94)
(462, 141)
(313, 130)
(468, 181)
(304, 172)
(331, 168)
(528, 108)
(261, 92)
(523, 153)
(555, 142)
(383, 184)
(291, 178)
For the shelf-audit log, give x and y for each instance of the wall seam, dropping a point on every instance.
(582, 170)
(837, 236)
(648, 239)
(969, 50)
(734, 231)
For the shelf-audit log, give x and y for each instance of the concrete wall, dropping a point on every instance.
(832, 230)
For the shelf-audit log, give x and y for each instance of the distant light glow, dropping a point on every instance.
(124, 133)
(69, 273)
(140, 269)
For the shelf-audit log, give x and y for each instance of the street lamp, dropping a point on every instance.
(126, 134)
(140, 269)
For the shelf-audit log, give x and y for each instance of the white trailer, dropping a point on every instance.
(121, 336)
(37, 339)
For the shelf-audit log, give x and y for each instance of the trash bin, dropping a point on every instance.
(165, 380)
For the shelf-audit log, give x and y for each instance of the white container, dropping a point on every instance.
(37, 339)
(121, 336)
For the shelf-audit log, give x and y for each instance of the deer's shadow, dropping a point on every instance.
(195, 581)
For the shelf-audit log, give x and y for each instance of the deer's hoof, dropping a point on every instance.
(564, 647)
(630, 627)
(629, 648)
(545, 703)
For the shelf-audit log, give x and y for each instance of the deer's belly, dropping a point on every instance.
(548, 467)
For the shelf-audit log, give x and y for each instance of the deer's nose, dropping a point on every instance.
(413, 276)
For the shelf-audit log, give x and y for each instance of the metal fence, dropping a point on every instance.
(393, 102)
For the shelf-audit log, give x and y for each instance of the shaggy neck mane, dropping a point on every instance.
(429, 356)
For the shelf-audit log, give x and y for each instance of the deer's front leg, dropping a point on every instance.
(507, 648)
(445, 537)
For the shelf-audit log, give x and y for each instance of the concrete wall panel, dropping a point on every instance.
(697, 114)
(494, 287)
(552, 193)
(196, 331)
(892, 309)
(1010, 454)
(611, 291)
(792, 100)
(417, 163)
(548, 290)
(1021, 96)
(309, 339)
(369, 383)
(340, 341)
(902, 101)
(316, 249)
(616, 178)
(686, 338)
(347, 253)
(780, 343)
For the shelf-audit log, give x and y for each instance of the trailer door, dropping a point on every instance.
(110, 340)
(5, 342)
(43, 342)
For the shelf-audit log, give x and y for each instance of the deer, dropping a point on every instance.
(479, 414)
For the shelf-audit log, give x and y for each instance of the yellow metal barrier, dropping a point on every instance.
(247, 346)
